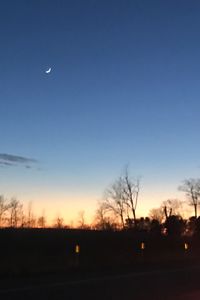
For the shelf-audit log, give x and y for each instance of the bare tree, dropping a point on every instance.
(23, 220)
(131, 190)
(157, 214)
(15, 212)
(169, 214)
(81, 219)
(122, 197)
(3, 209)
(167, 209)
(102, 220)
(30, 218)
(171, 207)
(59, 222)
(192, 189)
(41, 221)
(114, 200)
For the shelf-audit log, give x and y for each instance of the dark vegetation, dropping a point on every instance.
(29, 252)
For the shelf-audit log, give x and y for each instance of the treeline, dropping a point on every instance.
(118, 211)
(165, 220)
(13, 214)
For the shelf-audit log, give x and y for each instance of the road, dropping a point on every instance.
(179, 284)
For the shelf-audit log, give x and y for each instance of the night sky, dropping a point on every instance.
(124, 89)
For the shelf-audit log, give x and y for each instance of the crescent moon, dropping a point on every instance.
(48, 71)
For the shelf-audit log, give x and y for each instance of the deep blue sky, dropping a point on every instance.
(124, 88)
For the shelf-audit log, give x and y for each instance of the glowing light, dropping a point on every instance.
(77, 249)
(142, 246)
(186, 246)
(48, 71)
(164, 231)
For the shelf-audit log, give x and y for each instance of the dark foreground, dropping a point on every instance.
(44, 264)
(180, 283)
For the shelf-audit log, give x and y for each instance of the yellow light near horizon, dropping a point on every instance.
(77, 249)
(186, 246)
(142, 246)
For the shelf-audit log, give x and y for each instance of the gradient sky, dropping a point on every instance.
(124, 89)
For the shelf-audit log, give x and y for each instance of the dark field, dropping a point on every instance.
(25, 252)
(43, 264)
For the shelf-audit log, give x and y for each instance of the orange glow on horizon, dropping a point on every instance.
(55, 203)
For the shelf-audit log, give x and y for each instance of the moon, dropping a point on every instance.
(48, 71)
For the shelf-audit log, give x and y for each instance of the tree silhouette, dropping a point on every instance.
(192, 189)
(3, 209)
(122, 198)
(175, 226)
(15, 212)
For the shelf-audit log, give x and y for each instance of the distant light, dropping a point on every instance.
(77, 249)
(164, 231)
(186, 246)
(142, 246)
